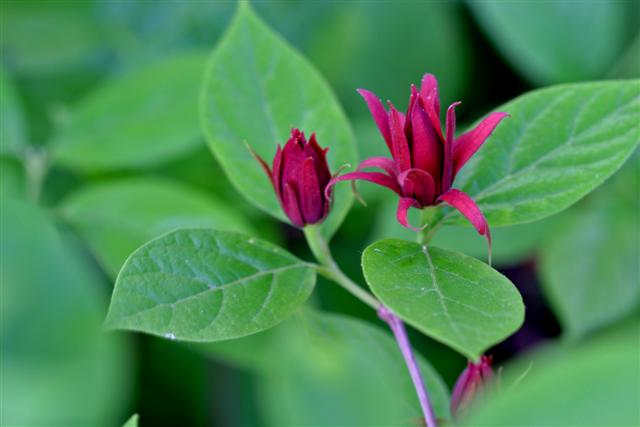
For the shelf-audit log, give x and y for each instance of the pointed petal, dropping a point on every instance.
(403, 209)
(276, 176)
(467, 207)
(387, 165)
(429, 91)
(374, 177)
(413, 99)
(260, 160)
(291, 207)
(447, 166)
(469, 142)
(400, 152)
(319, 159)
(418, 183)
(426, 150)
(379, 115)
(311, 198)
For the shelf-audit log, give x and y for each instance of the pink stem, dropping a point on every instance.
(400, 333)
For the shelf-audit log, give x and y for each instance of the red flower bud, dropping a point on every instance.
(471, 382)
(300, 176)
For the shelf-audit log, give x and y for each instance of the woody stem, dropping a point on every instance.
(330, 269)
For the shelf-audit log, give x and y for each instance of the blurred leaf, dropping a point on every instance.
(117, 217)
(559, 144)
(257, 88)
(132, 422)
(555, 42)
(386, 46)
(41, 38)
(511, 244)
(58, 367)
(13, 179)
(207, 285)
(595, 384)
(628, 65)
(13, 137)
(327, 369)
(453, 298)
(137, 120)
(590, 265)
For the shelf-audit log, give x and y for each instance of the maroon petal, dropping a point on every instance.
(400, 152)
(374, 177)
(429, 91)
(403, 209)
(469, 142)
(387, 165)
(311, 198)
(277, 171)
(447, 173)
(379, 115)
(291, 207)
(320, 159)
(467, 207)
(419, 183)
(413, 99)
(426, 149)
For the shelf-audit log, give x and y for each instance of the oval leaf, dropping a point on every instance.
(207, 285)
(451, 297)
(547, 41)
(116, 217)
(559, 144)
(257, 88)
(140, 119)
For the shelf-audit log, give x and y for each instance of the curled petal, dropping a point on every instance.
(387, 165)
(469, 142)
(426, 149)
(320, 159)
(447, 172)
(312, 201)
(403, 209)
(467, 207)
(419, 183)
(379, 115)
(374, 177)
(401, 153)
(290, 205)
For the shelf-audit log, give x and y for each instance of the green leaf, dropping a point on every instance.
(132, 422)
(208, 285)
(590, 265)
(594, 384)
(116, 217)
(54, 351)
(547, 41)
(327, 369)
(139, 119)
(257, 88)
(451, 297)
(13, 137)
(559, 144)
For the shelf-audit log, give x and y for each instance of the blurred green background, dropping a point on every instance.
(101, 150)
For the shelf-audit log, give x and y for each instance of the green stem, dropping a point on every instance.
(330, 269)
(35, 165)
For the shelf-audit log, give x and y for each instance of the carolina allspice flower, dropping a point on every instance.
(424, 161)
(473, 380)
(300, 176)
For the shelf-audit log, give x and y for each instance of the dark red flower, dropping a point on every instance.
(470, 383)
(300, 176)
(424, 161)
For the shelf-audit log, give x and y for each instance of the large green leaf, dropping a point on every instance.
(207, 285)
(559, 144)
(327, 369)
(594, 384)
(116, 217)
(139, 119)
(547, 41)
(590, 265)
(13, 133)
(54, 351)
(257, 88)
(449, 296)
